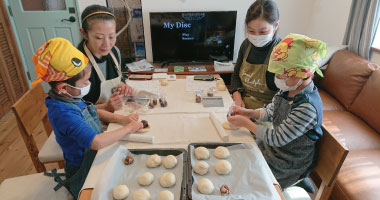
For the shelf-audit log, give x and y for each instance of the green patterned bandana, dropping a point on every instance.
(297, 56)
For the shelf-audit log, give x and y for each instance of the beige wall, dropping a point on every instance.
(84, 3)
(321, 19)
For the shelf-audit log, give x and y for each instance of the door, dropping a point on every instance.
(37, 21)
(13, 81)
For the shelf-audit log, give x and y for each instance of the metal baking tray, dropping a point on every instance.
(166, 152)
(190, 179)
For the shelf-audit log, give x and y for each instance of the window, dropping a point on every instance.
(376, 41)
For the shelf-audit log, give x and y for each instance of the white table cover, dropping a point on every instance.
(176, 126)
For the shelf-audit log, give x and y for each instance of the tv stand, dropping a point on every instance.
(174, 63)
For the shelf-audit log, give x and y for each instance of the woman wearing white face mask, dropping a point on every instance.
(252, 84)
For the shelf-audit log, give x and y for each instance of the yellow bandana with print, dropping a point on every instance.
(297, 56)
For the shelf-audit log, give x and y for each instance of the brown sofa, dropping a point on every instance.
(350, 93)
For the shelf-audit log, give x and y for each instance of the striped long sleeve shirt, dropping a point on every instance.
(300, 120)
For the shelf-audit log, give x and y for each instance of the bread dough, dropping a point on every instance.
(164, 82)
(228, 126)
(141, 194)
(201, 168)
(146, 178)
(165, 195)
(201, 153)
(220, 81)
(205, 186)
(221, 152)
(153, 161)
(221, 87)
(223, 167)
(120, 192)
(169, 161)
(144, 130)
(167, 179)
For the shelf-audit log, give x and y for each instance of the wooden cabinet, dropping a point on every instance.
(13, 82)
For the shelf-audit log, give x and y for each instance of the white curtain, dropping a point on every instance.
(361, 26)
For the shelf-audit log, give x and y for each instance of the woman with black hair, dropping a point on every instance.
(99, 38)
(252, 84)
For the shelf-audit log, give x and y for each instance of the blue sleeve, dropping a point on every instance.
(75, 127)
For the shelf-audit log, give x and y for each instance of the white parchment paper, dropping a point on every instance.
(249, 178)
(116, 173)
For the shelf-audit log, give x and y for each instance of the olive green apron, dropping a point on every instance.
(253, 78)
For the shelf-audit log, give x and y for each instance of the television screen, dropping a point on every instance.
(192, 36)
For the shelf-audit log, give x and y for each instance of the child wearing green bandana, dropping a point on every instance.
(289, 147)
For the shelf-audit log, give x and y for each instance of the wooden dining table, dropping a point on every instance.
(181, 104)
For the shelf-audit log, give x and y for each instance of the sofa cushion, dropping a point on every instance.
(345, 76)
(359, 176)
(350, 130)
(329, 102)
(367, 104)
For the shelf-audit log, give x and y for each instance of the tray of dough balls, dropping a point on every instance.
(228, 171)
(142, 174)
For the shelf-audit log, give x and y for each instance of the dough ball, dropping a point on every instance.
(164, 82)
(169, 162)
(165, 195)
(167, 179)
(220, 81)
(141, 194)
(224, 190)
(120, 192)
(205, 186)
(201, 168)
(153, 161)
(221, 152)
(229, 126)
(146, 178)
(223, 167)
(221, 87)
(146, 127)
(201, 153)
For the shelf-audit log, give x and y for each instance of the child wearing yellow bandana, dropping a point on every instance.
(75, 122)
(296, 110)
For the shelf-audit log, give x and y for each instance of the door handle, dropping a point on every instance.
(71, 19)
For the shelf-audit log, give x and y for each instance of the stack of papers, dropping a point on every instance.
(193, 85)
(151, 86)
(139, 66)
(220, 66)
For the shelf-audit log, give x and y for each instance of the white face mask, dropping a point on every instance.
(281, 84)
(83, 91)
(260, 40)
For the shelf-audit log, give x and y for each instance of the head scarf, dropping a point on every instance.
(297, 56)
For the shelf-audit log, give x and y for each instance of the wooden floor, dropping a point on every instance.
(14, 158)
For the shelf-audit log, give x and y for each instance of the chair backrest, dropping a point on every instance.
(30, 111)
(331, 155)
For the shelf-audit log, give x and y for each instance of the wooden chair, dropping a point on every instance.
(331, 155)
(30, 110)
